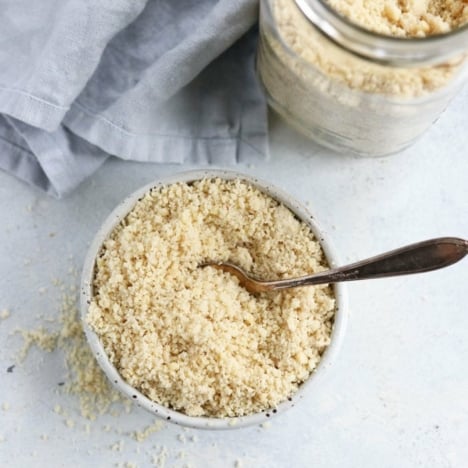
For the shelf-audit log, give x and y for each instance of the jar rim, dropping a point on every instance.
(389, 50)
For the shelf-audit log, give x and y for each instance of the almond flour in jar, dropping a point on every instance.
(389, 72)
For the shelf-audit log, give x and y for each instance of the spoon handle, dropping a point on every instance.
(414, 258)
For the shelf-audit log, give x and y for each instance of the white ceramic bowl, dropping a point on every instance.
(166, 413)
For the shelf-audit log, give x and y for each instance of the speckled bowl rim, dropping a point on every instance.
(168, 414)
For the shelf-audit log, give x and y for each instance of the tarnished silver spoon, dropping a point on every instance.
(423, 256)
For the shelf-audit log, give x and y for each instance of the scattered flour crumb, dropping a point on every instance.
(141, 436)
(39, 337)
(5, 406)
(265, 425)
(238, 463)
(4, 314)
(70, 423)
(181, 438)
(85, 378)
(44, 437)
(117, 446)
(159, 460)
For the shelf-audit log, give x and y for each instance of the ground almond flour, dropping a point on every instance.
(347, 102)
(359, 74)
(405, 18)
(191, 338)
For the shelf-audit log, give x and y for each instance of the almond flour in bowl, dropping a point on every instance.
(188, 343)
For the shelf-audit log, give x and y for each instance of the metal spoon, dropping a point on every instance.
(414, 258)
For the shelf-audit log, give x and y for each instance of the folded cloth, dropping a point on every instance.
(146, 80)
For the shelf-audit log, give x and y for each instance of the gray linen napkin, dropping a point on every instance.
(147, 80)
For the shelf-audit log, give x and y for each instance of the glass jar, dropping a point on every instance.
(351, 89)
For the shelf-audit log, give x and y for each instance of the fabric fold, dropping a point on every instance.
(154, 81)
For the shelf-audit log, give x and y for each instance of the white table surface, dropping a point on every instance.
(398, 395)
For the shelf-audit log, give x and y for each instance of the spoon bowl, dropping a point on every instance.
(420, 257)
